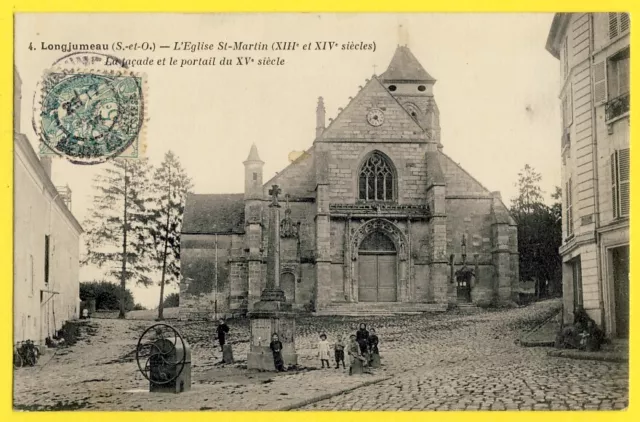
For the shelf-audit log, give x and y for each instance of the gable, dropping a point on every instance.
(297, 179)
(351, 123)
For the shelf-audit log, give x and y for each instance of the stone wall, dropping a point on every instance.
(346, 158)
(199, 290)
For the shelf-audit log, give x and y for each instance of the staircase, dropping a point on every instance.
(379, 308)
(468, 308)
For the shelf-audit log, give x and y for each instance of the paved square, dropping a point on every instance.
(451, 361)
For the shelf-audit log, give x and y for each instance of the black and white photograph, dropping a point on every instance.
(321, 212)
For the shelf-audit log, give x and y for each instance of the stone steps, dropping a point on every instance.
(380, 309)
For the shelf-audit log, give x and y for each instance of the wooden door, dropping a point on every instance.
(464, 288)
(368, 278)
(377, 278)
(621, 288)
(387, 278)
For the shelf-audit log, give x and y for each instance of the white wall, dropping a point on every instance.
(38, 211)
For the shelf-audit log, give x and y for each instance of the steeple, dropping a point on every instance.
(253, 155)
(320, 117)
(412, 86)
(253, 174)
(404, 67)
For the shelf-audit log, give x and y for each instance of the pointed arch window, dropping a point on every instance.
(376, 181)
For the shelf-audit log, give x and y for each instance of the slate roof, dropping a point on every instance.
(214, 214)
(405, 67)
(253, 154)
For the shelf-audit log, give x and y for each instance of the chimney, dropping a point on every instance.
(46, 164)
(17, 100)
(320, 115)
(496, 195)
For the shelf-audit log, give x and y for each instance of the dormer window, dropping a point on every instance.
(376, 180)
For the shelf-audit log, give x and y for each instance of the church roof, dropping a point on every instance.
(253, 154)
(214, 214)
(405, 67)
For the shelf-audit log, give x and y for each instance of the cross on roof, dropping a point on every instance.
(274, 192)
(374, 69)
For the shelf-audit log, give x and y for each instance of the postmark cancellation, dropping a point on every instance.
(91, 115)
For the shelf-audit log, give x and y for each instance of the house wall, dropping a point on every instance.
(586, 161)
(42, 308)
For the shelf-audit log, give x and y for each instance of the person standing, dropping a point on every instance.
(339, 352)
(362, 337)
(276, 349)
(356, 360)
(324, 350)
(374, 354)
(222, 331)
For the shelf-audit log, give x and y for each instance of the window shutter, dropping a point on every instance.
(599, 83)
(624, 22)
(613, 25)
(623, 181)
(614, 185)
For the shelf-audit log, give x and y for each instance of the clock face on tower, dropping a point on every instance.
(375, 117)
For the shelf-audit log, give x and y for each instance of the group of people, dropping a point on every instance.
(362, 350)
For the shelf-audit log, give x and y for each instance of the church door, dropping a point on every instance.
(288, 286)
(377, 269)
(464, 288)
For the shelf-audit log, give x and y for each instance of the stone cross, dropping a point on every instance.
(274, 192)
(286, 198)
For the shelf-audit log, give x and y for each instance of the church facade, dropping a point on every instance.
(374, 215)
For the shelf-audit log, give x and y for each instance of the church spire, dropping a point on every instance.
(404, 67)
(253, 154)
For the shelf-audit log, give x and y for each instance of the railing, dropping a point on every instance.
(616, 107)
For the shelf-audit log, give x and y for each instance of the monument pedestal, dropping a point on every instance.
(271, 315)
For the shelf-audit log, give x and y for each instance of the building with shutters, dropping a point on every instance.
(593, 49)
(374, 215)
(46, 248)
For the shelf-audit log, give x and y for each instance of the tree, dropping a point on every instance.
(529, 192)
(539, 233)
(107, 295)
(116, 229)
(172, 300)
(170, 186)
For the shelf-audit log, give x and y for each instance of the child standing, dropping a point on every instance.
(324, 350)
(276, 348)
(356, 359)
(339, 352)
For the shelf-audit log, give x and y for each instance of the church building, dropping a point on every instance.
(374, 216)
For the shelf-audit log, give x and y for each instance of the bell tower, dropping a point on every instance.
(253, 175)
(412, 86)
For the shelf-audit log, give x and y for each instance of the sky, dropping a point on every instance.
(497, 90)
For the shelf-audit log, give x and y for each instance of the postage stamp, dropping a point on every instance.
(91, 115)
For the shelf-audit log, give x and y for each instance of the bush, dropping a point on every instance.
(172, 300)
(106, 295)
(139, 307)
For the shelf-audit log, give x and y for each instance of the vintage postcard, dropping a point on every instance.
(303, 211)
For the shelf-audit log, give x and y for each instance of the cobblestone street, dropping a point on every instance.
(451, 361)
